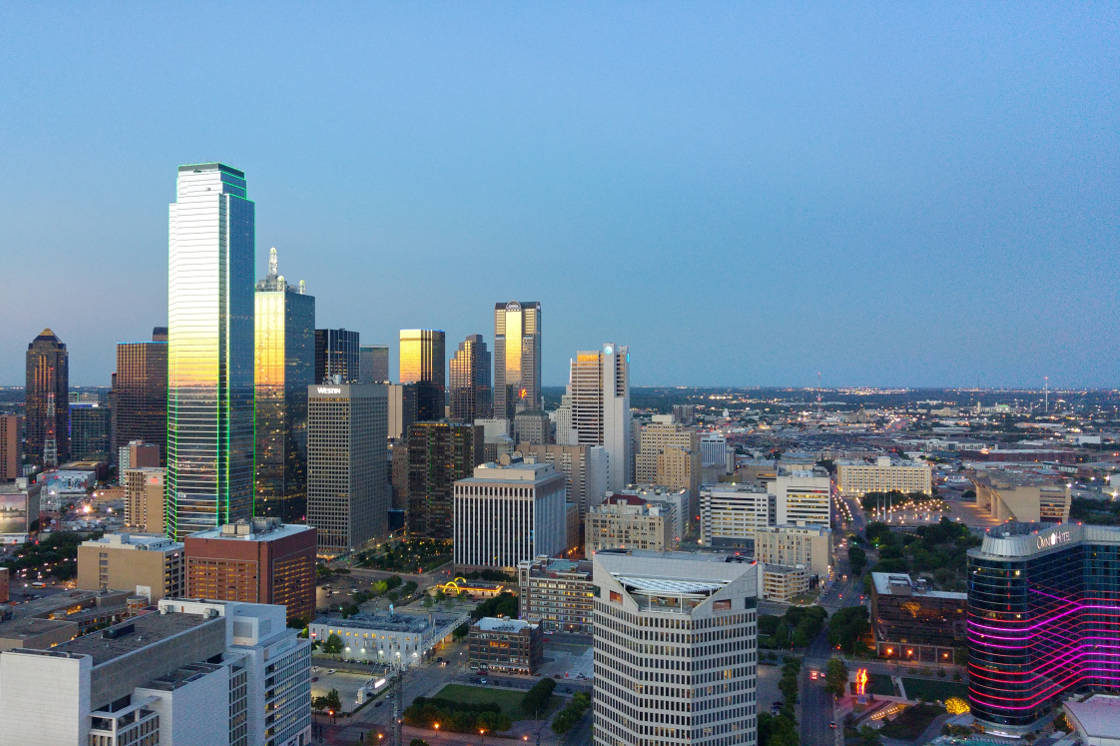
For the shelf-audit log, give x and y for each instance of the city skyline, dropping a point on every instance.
(946, 179)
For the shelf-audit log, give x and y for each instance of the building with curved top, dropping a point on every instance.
(1043, 620)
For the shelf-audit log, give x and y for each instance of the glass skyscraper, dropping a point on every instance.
(470, 394)
(139, 397)
(336, 354)
(1043, 620)
(517, 357)
(48, 385)
(422, 362)
(285, 361)
(210, 350)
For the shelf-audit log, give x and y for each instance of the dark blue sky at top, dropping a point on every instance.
(746, 194)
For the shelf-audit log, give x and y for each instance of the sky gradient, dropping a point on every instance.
(746, 194)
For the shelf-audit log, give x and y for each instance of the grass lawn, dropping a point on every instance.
(910, 723)
(881, 684)
(933, 690)
(508, 699)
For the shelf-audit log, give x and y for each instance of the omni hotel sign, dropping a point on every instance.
(1053, 540)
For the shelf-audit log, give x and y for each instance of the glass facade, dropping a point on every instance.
(470, 380)
(422, 361)
(336, 354)
(1043, 621)
(48, 371)
(210, 369)
(285, 360)
(517, 357)
(139, 397)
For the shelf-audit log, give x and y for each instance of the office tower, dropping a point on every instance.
(9, 447)
(135, 455)
(658, 679)
(517, 357)
(438, 454)
(143, 498)
(210, 350)
(470, 380)
(713, 449)
(532, 426)
(856, 479)
(89, 431)
(684, 414)
(599, 395)
(149, 565)
(285, 367)
(259, 560)
(139, 396)
(347, 464)
(1043, 614)
(803, 497)
(47, 391)
(585, 469)
(422, 363)
(373, 364)
(678, 500)
(194, 672)
(336, 354)
(402, 409)
(810, 546)
(669, 455)
(629, 522)
(506, 514)
(398, 474)
(732, 514)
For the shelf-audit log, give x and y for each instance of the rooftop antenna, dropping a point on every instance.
(273, 263)
(1046, 394)
(302, 287)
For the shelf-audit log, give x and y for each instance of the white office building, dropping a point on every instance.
(732, 514)
(802, 497)
(195, 673)
(508, 513)
(596, 408)
(713, 449)
(675, 649)
(857, 478)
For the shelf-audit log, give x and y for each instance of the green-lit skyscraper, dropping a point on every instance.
(285, 365)
(210, 350)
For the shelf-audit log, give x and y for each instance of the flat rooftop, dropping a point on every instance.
(494, 624)
(900, 584)
(146, 630)
(414, 623)
(1096, 717)
(252, 532)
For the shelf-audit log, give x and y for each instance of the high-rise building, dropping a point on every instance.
(422, 362)
(143, 498)
(810, 546)
(139, 396)
(599, 401)
(629, 522)
(1043, 614)
(260, 561)
(285, 367)
(210, 350)
(505, 514)
(517, 357)
(336, 354)
(732, 514)
(135, 455)
(658, 678)
(532, 426)
(713, 449)
(89, 431)
(470, 394)
(47, 390)
(9, 447)
(585, 469)
(347, 465)
(402, 409)
(373, 364)
(194, 672)
(150, 565)
(669, 455)
(439, 453)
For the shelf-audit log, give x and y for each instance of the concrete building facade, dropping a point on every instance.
(150, 565)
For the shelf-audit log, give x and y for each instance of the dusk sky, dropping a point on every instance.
(746, 194)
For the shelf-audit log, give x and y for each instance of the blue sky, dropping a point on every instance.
(745, 193)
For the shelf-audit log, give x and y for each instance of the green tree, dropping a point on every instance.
(333, 645)
(847, 628)
(837, 676)
(417, 742)
(857, 558)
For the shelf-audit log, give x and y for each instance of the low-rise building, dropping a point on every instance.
(149, 565)
(629, 522)
(809, 546)
(784, 582)
(731, 514)
(680, 499)
(911, 621)
(1025, 498)
(557, 594)
(393, 639)
(857, 478)
(506, 645)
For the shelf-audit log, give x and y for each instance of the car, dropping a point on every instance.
(482, 681)
(314, 678)
(331, 670)
(832, 724)
(378, 703)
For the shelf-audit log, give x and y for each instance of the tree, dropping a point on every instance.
(857, 558)
(869, 736)
(847, 628)
(837, 676)
(417, 742)
(333, 645)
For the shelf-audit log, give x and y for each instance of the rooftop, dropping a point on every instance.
(1096, 717)
(518, 471)
(414, 623)
(132, 635)
(140, 542)
(901, 584)
(494, 624)
(256, 529)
